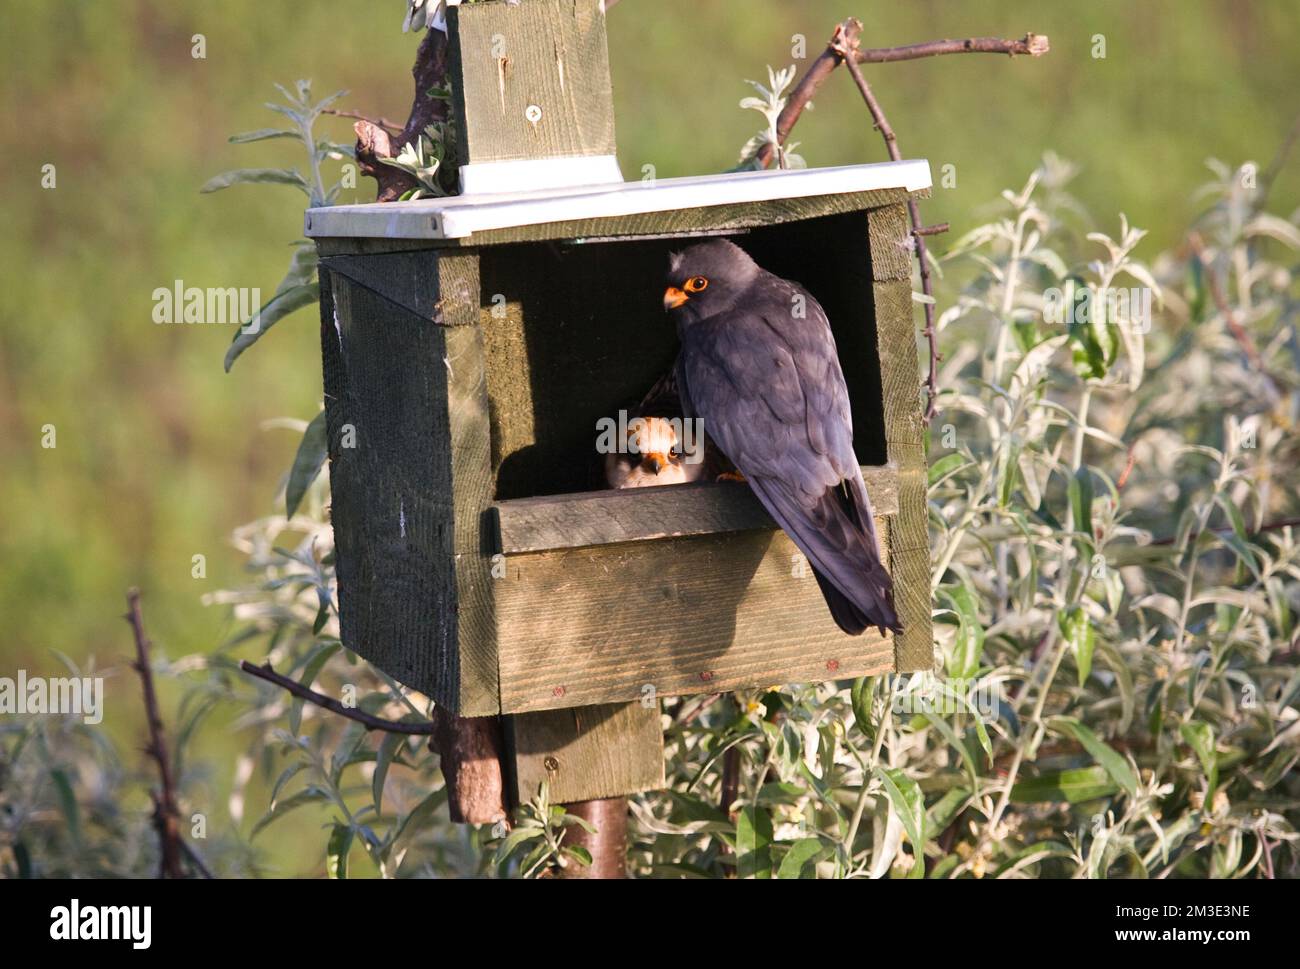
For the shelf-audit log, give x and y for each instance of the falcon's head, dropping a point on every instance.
(706, 279)
(650, 456)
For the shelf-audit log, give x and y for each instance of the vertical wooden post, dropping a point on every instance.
(607, 844)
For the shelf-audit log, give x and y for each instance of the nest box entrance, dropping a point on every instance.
(472, 344)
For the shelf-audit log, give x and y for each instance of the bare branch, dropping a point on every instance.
(1225, 310)
(469, 748)
(843, 49)
(165, 813)
(370, 722)
(932, 230)
(390, 126)
(845, 40)
(1033, 45)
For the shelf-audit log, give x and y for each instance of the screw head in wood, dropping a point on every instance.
(558, 691)
(533, 113)
(551, 764)
(832, 665)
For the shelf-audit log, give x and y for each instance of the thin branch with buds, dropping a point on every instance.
(391, 126)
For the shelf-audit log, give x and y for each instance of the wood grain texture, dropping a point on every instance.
(410, 495)
(890, 232)
(469, 439)
(679, 615)
(391, 492)
(588, 752)
(547, 55)
(606, 517)
(900, 381)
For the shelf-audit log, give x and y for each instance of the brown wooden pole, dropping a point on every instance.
(607, 844)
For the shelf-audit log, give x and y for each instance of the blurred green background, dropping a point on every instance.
(160, 454)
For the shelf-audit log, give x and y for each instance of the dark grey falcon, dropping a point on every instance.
(758, 365)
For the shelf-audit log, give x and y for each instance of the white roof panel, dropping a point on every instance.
(461, 216)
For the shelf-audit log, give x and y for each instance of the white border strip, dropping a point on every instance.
(464, 215)
(532, 174)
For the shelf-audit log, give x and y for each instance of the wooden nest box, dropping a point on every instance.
(471, 344)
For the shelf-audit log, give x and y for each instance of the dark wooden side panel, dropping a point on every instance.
(549, 55)
(889, 229)
(406, 413)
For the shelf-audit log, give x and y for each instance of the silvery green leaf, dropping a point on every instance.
(1277, 228)
(246, 176)
(1116, 766)
(313, 451)
(302, 267)
(261, 134)
(278, 307)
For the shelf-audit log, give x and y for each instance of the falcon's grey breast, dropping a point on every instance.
(759, 366)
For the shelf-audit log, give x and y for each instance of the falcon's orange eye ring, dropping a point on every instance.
(696, 283)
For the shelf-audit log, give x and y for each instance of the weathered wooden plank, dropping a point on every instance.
(446, 297)
(682, 615)
(899, 372)
(533, 80)
(411, 484)
(890, 230)
(605, 517)
(469, 438)
(391, 486)
(900, 381)
(588, 752)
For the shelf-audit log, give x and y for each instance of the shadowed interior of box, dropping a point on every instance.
(577, 331)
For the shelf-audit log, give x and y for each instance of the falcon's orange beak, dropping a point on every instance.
(673, 298)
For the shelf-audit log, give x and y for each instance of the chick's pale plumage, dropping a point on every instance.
(759, 365)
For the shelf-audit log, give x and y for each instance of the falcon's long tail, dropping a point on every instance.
(838, 535)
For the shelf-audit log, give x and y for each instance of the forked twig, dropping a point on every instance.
(843, 49)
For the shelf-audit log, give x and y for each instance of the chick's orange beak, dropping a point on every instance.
(673, 298)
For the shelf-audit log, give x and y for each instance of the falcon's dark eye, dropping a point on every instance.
(696, 283)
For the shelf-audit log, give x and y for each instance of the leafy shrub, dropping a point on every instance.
(1116, 679)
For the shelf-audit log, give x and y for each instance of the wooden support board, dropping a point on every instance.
(587, 752)
(533, 80)
(610, 622)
